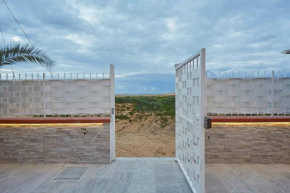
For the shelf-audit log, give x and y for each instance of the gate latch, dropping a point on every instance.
(207, 122)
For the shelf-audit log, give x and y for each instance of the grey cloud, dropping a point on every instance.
(149, 37)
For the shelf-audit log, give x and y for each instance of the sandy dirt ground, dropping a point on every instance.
(144, 136)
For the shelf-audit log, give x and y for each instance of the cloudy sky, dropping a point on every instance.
(144, 39)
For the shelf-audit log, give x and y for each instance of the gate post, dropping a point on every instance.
(112, 123)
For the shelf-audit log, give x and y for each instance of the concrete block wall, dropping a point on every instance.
(238, 143)
(55, 143)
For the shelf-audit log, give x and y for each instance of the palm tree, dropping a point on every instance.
(12, 54)
(286, 51)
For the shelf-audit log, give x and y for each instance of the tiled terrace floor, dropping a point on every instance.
(133, 176)
(247, 178)
(143, 175)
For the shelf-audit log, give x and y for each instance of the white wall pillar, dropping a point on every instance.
(112, 125)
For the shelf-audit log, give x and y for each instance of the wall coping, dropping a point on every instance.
(54, 120)
(250, 119)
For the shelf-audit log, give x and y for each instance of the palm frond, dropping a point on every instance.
(12, 54)
(286, 51)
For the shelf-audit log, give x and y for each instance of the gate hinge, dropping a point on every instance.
(207, 122)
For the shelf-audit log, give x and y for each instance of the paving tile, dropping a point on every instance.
(143, 179)
(232, 182)
(71, 187)
(165, 180)
(184, 187)
(167, 189)
(142, 188)
(96, 185)
(126, 167)
(104, 171)
(122, 177)
(179, 174)
(255, 179)
(285, 174)
(281, 183)
(181, 180)
(118, 187)
(50, 186)
(214, 185)
(25, 183)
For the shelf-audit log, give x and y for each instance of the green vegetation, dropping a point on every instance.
(145, 106)
(161, 105)
(122, 117)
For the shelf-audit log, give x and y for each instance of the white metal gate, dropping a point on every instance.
(190, 113)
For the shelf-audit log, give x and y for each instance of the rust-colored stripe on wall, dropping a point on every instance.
(55, 120)
(249, 119)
